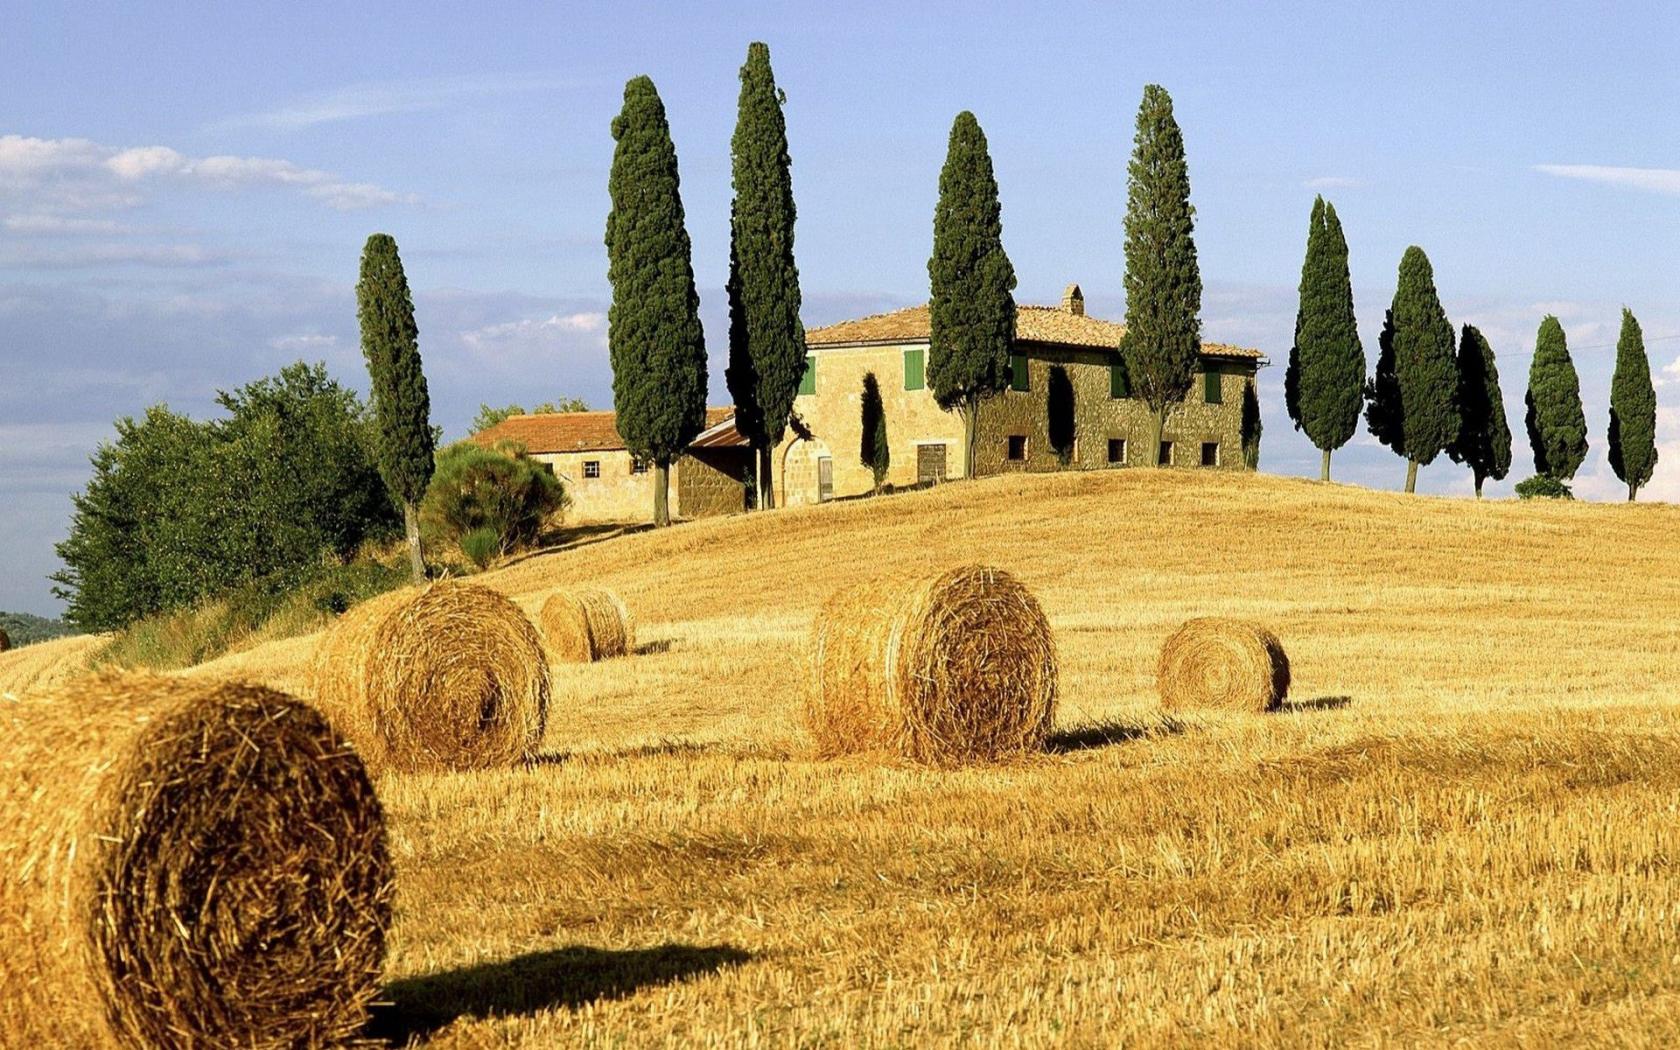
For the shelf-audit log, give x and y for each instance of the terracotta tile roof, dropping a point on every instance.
(1033, 324)
(550, 432)
(721, 434)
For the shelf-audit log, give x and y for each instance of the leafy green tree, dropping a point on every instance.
(1163, 337)
(973, 305)
(873, 451)
(1557, 425)
(1633, 409)
(766, 337)
(1411, 402)
(498, 491)
(391, 344)
(654, 337)
(489, 415)
(178, 511)
(1324, 385)
(1484, 438)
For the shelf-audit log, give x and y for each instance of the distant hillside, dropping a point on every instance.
(24, 628)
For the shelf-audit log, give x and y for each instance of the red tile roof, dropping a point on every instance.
(551, 432)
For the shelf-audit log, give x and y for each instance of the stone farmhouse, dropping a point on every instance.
(1065, 364)
(1068, 407)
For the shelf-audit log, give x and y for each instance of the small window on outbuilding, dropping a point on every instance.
(1212, 392)
(591, 468)
(1116, 451)
(1019, 378)
(638, 465)
(913, 373)
(1210, 453)
(1166, 454)
(808, 381)
(1017, 448)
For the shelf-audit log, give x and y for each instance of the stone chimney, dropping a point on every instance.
(1073, 300)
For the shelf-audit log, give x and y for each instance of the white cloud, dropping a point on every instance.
(550, 329)
(1332, 182)
(21, 255)
(304, 342)
(1651, 180)
(374, 100)
(51, 225)
(81, 175)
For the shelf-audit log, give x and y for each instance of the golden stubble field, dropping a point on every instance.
(1465, 831)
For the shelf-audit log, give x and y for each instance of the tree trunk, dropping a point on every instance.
(971, 432)
(411, 528)
(1479, 480)
(1633, 492)
(661, 493)
(1157, 426)
(1411, 475)
(766, 479)
(1324, 466)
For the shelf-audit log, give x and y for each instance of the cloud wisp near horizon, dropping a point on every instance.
(166, 237)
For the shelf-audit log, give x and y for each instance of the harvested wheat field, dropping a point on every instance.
(1461, 829)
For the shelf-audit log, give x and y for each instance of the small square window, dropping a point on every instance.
(591, 468)
(638, 465)
(1166, 453)
(1210, 453)
(1117, 450)
(1017, 447)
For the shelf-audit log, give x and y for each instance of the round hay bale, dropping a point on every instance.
(188, 863)
(449, 676)
(1217, 662)
(943, 668)
(586, 625)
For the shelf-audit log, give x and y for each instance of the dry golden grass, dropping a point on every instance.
(1463, 830)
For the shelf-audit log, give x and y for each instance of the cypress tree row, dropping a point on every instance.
(401, 406)
(1557, 425)
(973, 308)
(1633, 409)
(654, 338)
(766, 337)
(1324, 385)
(1484, 438)
(872, 448)
(1163, 282)
(1419, 415)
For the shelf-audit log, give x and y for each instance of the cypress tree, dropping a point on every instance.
(1163, 338)
(1251, 426)
(1059, 404)
(873, 451)
(401, 406)
(1425, 366)
(1633, 409)
(1383, 415)
(1484, 438)
(766, 337)
(1324, 385)
(654, 338)
(1557, 426)
(973, 308)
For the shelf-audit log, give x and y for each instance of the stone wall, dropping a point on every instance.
(709, 482)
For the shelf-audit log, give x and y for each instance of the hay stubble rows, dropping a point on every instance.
(1461, 828)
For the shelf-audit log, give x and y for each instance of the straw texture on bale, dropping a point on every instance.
(449, 676)
(943, 668)
(1216, 662)
(586, 625)
(187, 864)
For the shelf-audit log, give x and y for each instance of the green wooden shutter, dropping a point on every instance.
(913, 379)
(808, 381)
(1018, 378)
(1119, 386)
(1211, 391)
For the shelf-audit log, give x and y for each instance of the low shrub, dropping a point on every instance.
(497, 491)
(1542, 486)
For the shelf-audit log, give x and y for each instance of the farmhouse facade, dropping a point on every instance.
(605, 482)
(1068, 406)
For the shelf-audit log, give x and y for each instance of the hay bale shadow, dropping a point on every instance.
(663, 645)
(1317, 703)
(1106, 734)
(564, 978)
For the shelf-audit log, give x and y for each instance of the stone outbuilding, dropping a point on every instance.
(1068, 406)
(605, 482)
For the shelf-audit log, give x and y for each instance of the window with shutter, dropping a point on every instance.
(1119, 386)
(1018, 378)
(808, 381)
(1211, 390)
(913, 378)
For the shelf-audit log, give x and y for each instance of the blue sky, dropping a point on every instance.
(185, 188)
